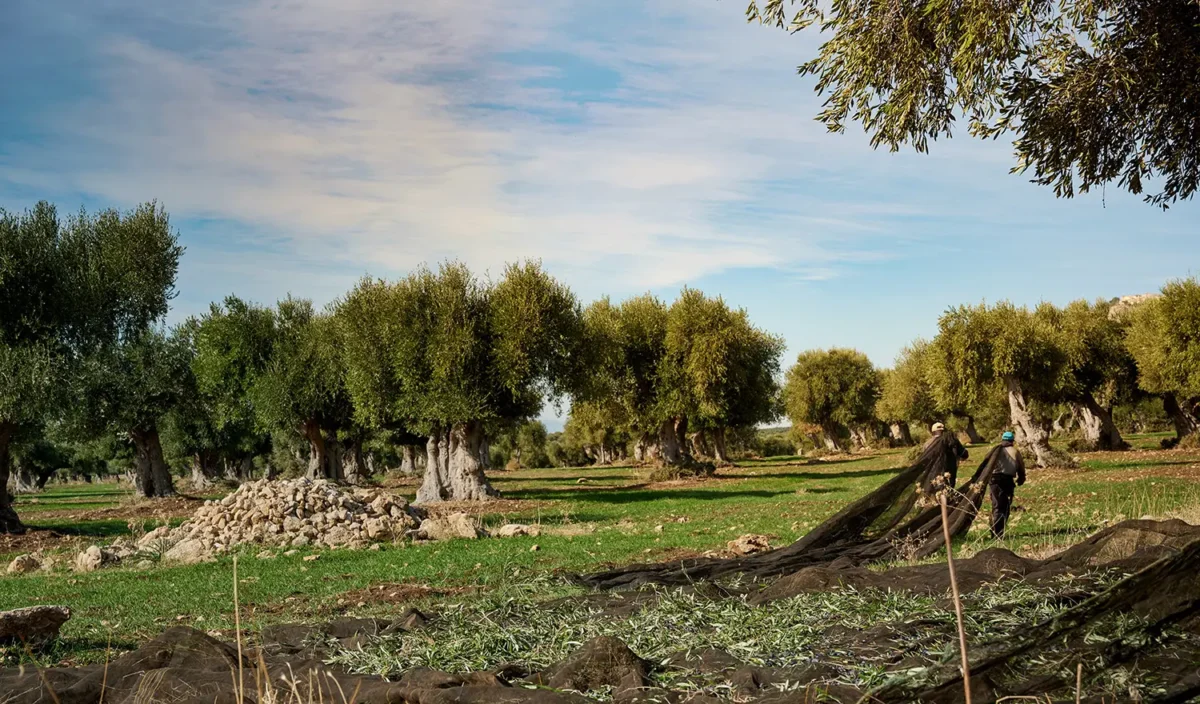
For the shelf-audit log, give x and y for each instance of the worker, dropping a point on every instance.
(1008, 474)
(955, 452)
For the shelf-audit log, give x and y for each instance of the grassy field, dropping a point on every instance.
(614, 517)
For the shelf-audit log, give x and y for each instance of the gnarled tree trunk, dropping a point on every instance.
(1096, 421)
(971, 431)
(900, 434)
(1183, 416)
(354, 465)
(1031, 433)
(408, 467)
(9, 523)
(485, 454)
(26, 481)
(205, 470)
(644, 448)
(700, 445)
(831, 435)
(455, 472)
(860, 435)
(670, 447)
(325, 453)
(719, 446)
(151, 477)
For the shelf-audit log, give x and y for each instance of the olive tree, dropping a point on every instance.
(127, 389)
(906, 395)
(302, 388)
(1164, 339)
(833, 389)
(979, 346)
(1093, 92)
(1098, 369)
(232, 345)
(718, 372)
(642, 339)
(68, 288)
(443, 354)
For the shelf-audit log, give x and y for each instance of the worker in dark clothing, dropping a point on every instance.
(955, 452)
(1008, 474)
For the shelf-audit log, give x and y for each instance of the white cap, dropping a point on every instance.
(937, 427)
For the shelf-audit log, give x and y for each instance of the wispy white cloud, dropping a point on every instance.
(383, 134)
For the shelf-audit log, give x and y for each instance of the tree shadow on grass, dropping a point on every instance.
(828, 475)
(1101, 465)
(639, 493)
(91, 529)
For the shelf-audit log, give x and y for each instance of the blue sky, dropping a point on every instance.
(632, 146)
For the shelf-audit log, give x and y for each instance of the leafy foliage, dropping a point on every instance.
(837, 387)
(905, 391)
(1094, 91)
(130, 386)
(303, 380)
(1164, 339)
(434, 349)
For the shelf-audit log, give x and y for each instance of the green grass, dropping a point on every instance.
(611, 520)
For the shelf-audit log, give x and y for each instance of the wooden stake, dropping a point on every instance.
(962, 632)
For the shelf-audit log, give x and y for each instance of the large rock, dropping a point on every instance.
(32, 625)
(456, 525)
(515, 530)
(30, 562)
(601, 662)
(188, 552)
(94, 558)
(749, 544)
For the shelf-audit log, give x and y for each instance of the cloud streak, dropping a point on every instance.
(381, 134)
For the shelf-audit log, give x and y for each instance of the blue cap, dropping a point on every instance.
(1008, 435)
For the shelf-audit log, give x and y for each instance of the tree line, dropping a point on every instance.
(1043, 369)
(445, 371)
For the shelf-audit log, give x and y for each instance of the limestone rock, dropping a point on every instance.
(188, 552)
(514, 530)
(456, 525)
(33, 624)
(749, 544)
(94, 558)
(290, 513)
(30, 562)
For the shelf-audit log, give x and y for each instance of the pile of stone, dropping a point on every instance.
(287, 513)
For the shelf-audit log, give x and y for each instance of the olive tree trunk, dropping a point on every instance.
(1099, 430)
(971, 431)
(645, 448)
(900, 433)
(671, 437)
(151, 476)
(408, 467)
(354, 465)
(205, 470)
(1030, 432)
(325, 453)
(9, 523)
(454, 472)
(1183, 416)
(719, 446)
(831, 435)
(26, 481)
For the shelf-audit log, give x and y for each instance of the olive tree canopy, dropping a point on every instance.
(443, 353)
(834, 389)
(1093, 91)
(1164, 339)
(67, 288)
